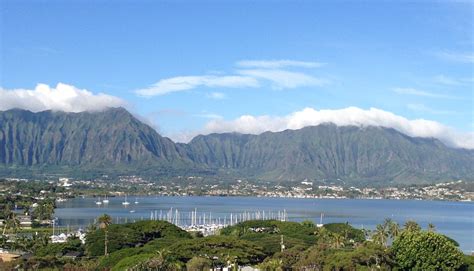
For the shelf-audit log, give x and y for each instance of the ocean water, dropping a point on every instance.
(454, 219)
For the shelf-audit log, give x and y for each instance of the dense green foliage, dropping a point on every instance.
(268, 234)
(113, 258)
(220, 248)
(346, 230)
(131, 235)
(159, 245)
(131, 262)
(119, 237)
(157, 229)
(468, 263)
(198, 264)
(54, 141)
(72, 245)
(366, 256)
(418, 250)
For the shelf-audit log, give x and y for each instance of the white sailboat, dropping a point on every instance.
(98, 202)
(136, 200)
(125, 203)
(320, 221)
(106, 200)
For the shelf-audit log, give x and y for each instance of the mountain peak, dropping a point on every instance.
(116, 141)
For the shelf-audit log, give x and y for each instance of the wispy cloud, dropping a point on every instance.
(250, 74)
(464, 57)
(181, 83)
(425, 109)
(417, 92)
(446, 80)
(216, 95)
(451, 81)
(281, 79)
(278, 64)
(208, 116)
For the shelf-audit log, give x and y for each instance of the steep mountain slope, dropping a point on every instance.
(114, 140)
(331, 152)
(110, 137)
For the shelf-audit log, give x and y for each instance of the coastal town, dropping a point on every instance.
(31, 234)
(198, 186)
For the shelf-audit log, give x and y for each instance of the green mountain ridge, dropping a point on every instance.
(114, 140)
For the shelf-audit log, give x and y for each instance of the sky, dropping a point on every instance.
(192, 67)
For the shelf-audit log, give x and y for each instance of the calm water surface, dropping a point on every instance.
(455, 219)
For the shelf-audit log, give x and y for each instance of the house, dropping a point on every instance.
(25, 221)
(6, 256)
(72, 255)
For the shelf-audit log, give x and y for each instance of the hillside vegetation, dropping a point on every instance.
(115, 142)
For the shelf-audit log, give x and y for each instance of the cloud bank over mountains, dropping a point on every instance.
(68, 98)
(342, 117)
(63, 97)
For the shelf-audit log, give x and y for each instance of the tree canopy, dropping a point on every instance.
(425, 250)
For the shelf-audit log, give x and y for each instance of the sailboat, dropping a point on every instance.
(98, 202)
(125, 203)
(136, 201)
(320, 221)
(106, 200)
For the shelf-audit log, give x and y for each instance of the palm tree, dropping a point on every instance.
(431, 227)
(394, 230)
(392, 227)
(40, 240)
(412, 226)
(338, 241)
(7, 212)
(104, 221)
(44, 211)
(323, 236)
(11, 222)
(381, 235)
(273, 265)
(25, 243)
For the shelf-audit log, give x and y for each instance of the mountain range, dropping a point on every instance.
(114, 141)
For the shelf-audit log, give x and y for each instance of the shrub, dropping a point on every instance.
(420, 250)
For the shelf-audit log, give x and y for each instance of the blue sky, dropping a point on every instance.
(183, 64)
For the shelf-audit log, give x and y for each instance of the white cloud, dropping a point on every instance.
(467, 57)
(342, 117)
(417, 92)
(181, 83)
(251, 74)
(277, 64)
(282, 79)
(63, 97)
(216, 95)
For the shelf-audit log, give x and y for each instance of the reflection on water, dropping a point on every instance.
(455, 219)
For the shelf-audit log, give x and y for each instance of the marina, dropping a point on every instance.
(455, 219)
